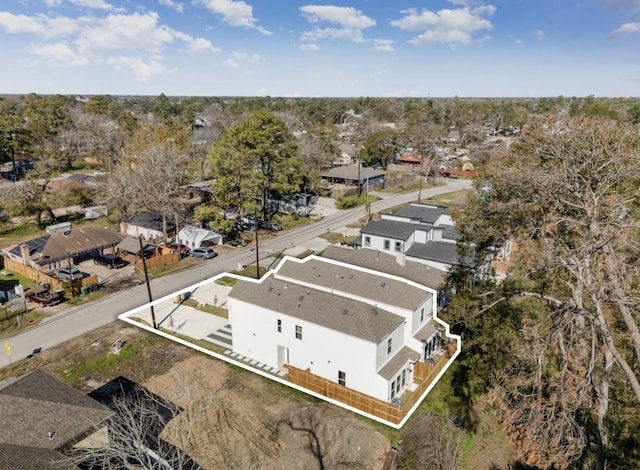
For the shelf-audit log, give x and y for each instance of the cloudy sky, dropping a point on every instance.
(436, 48)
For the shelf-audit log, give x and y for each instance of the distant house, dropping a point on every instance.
(420, 232)
(347, 155)
(347, 324)
(194, 237)
(148, 225)
(353, 175)
(42, 419)
(54, 250)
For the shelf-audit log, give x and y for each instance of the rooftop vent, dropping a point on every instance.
(270, 289)
(374, 311)
(301, 298)
(350, 276)
(345, 311)
(382, 284)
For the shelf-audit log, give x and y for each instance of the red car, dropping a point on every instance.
(184, 250)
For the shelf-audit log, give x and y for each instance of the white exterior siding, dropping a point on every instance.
(148, 234)
(322, 350)
(397, 342)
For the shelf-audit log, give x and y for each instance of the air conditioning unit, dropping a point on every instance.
(64, 227)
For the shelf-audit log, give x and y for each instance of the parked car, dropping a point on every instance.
(203, 252)
(44, 297)
(180, 248)
(108, 260)
(66, 274)
(272, 226)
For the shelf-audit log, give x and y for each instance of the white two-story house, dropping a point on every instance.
(420, 232)
(348, 324)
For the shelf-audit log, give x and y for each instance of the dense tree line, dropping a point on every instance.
(564, 325)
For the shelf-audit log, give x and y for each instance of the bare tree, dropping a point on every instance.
(431, 442)
(567, 193)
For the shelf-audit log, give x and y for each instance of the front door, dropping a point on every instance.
(283, 356)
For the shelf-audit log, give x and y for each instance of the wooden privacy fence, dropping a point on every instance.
(156, 261)
(382, 409)
(44, 278)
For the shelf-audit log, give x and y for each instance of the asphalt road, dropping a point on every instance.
(85, 318)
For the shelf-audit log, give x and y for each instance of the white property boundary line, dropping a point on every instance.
(126, 318)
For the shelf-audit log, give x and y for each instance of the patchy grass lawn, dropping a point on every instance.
(453, 199)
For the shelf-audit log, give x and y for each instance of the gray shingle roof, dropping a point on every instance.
(37, 404)
(322, 308)
(150, 220)
(424, 213)
(32, 458)
(376, 287)
(390, 229)
(399, 359)
(350, 172)
(386, 263)
(60, 246)
(443, 252)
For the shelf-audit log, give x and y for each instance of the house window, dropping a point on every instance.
(422, 314)
(367, 241)
(398, 385)
(404, 377)
(393, 389)
(298, 332)
(389, 345)
(342, 378)
(279, 326)
(387, 244)
(398, 247)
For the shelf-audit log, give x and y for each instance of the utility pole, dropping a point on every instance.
(146, 280)
(255, 229)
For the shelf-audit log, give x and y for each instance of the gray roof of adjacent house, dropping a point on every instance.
(150, 220)
(398, 360)
(351, 172)
(57, 246)
(82, 178)
(442, 252)
(422, 212)
(386, 263)
(36, 405)
(450, 232)
(390, 229)
(376, 287)
(348, 316)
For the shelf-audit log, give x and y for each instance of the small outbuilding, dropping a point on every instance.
(195, 237)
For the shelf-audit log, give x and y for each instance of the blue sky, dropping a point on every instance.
(387, 48)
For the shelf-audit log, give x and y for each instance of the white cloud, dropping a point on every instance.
(446, 26)
(309, 47)
(349, 21)
(95, 4)
(538, 34)
(177, 6)
(627, 28)
(127, 32)
(234, 13)
(53, 3)
(385, 45)
(58, 53)
(141, 69)
(519, 42)
(202, 46)
(40, 25)
(246, 57)
(231, 63)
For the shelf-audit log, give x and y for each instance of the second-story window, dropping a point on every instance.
(279, 326)
(389, 345)
(298, 332)
(387, 245)
(367, 240)
(398, 247)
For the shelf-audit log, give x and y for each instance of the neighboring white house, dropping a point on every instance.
(420, 232)
(149, 225)
(194, 237)
(348, 324)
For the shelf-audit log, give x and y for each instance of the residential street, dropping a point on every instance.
(80, 320)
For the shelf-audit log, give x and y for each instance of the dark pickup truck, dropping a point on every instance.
(110, 261)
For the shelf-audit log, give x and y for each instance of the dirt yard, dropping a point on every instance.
(238, 420)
